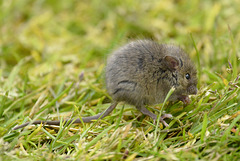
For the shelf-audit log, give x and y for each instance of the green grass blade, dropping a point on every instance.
(99, 136)
(227, 132)
(204, 127)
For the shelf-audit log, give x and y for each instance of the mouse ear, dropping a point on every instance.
(171, 62)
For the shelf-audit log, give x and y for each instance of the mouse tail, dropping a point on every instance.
(84, 119)
(98, 116)
(36, 123)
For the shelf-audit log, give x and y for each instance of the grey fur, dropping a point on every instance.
(142, 73)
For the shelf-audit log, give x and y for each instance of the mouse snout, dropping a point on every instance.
(192, 89)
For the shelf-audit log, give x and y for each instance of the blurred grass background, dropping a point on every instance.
(46, 45)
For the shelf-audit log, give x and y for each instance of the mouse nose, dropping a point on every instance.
(192, 89)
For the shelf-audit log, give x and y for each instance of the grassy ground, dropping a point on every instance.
(47, 47)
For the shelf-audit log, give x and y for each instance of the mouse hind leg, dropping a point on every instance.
(165, 116)
(145, 111)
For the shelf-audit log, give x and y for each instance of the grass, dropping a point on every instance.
(52, 59)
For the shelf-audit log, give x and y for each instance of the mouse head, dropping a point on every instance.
(185, 74)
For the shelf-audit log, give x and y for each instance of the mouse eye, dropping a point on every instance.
(187, 76)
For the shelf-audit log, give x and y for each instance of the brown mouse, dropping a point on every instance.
(141, 73)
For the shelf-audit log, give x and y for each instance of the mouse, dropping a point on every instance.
(141, 73)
